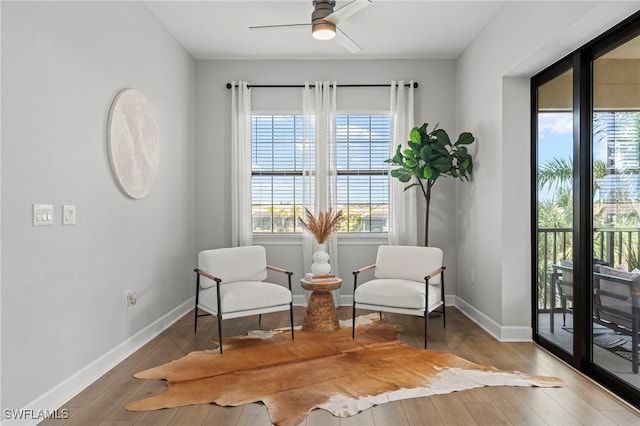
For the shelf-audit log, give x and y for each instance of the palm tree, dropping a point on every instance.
(557, 212)
(558, 173)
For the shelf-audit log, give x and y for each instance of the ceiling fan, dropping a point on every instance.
(325, 20)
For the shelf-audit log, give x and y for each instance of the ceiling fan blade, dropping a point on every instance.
(347, 10)
(267, 27)
(346, 42)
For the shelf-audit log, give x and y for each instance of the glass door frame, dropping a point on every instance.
(581, 61)
(568, 63)
(618, 36)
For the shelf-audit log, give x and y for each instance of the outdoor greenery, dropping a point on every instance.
(282, 218)
(616, 238)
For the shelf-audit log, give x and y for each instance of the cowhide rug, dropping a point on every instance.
(331, 371)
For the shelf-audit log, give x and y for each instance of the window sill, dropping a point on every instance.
(352, 239)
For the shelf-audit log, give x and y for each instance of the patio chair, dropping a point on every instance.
(617, 304)
(562, 282)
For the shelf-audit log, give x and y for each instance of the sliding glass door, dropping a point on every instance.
(615, 187)
(554, 212)
(586, 209)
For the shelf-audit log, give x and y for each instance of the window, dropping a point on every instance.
(363, 185)
(276, 185)
(276, 181)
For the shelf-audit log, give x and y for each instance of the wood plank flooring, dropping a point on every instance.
(581, 402)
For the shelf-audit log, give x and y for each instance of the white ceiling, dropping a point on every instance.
(216, 29)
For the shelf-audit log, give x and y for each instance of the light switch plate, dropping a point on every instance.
(68, 214)
(42, 214)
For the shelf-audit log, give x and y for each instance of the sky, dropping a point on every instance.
(555, 140)
(555, 136)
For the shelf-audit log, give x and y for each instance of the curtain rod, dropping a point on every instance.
(415, 85)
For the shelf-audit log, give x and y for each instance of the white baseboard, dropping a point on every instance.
(499, 332)
(346, 300)
(516, 334)
(63, 392)
(450, 300)
(299, 300)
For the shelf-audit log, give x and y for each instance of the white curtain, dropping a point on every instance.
(319, 188)
(240, 164)
(403, 220)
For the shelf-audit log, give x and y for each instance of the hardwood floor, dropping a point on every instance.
(581, 402)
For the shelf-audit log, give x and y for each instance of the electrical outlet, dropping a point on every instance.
(131, 298)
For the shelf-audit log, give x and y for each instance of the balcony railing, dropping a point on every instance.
(612, 245)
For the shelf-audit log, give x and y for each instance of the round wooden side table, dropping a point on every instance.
(321, 314)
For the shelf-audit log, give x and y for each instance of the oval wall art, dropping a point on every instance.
(133, 141)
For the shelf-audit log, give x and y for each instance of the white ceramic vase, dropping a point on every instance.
(320, 265)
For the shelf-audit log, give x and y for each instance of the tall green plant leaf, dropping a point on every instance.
(465, 138)
(442, 137)
(415, 136)
(430, 155)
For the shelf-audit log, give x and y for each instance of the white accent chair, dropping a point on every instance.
(408, 280)
(230, 284)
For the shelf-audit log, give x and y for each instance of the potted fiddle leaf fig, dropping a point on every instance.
(429, 156)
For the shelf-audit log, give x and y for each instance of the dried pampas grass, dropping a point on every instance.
(324, 225)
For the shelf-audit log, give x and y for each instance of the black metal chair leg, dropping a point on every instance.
(444, 316)
(634, 355)
(426, 319)
(635, 314)
(220, 331)
(293, 337)
(353, 310)
(259, 318)
(353, 321)
(195, 320)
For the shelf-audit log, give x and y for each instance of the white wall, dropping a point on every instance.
(63, 302)
(434, 102)
(516, 205)
(492, 102)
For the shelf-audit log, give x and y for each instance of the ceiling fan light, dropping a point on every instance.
(323, 31)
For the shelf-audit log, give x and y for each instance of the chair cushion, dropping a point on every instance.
(619, 273)
(396, 293)
(244, 296)
(408, 263)
(618, 295)
(233, 264)
(567, 275)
